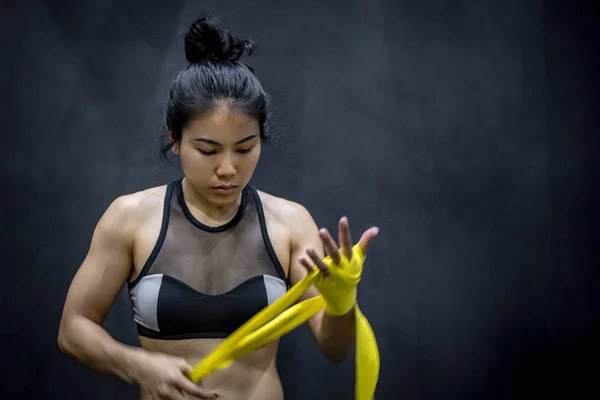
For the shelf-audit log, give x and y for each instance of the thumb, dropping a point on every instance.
(366, 238)
(183, 365)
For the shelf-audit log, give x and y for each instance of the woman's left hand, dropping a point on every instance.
(332, 249)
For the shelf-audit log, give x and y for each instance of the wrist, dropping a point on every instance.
(132, 360)
(342, 305)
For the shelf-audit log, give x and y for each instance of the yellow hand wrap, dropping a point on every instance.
(339, 288)
(281, 317)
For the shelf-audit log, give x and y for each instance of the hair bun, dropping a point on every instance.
(205, 40)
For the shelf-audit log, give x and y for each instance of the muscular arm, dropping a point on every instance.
(334, 335)
(105, 269)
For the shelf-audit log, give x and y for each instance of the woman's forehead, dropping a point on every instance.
(223, 127)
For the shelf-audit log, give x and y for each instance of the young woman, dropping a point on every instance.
(201, 255)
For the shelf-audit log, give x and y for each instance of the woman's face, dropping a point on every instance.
(219, 153)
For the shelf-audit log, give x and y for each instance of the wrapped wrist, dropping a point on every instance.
(341, 306)
(339, 288)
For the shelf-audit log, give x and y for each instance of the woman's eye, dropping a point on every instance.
(245, 150)
(207, 153)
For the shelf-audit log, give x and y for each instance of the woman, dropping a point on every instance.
(203, 254)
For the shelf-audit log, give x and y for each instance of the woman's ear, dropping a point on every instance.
(174, 143)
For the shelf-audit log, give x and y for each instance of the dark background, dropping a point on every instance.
(466, 130)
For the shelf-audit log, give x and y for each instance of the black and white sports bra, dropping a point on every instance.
(205, 282)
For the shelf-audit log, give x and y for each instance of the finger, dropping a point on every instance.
(186, 384)
(318, 261)
(366, 238)
(310, 266)
(345, 237)
(331, 248)
(306, 264)
(182, 364)
(194, 389)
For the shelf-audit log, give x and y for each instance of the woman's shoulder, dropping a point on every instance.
(285, 211)
(139, 204)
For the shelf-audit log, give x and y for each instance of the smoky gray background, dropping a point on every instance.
(466, 130)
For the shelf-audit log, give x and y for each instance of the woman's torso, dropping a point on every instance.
(253, 376)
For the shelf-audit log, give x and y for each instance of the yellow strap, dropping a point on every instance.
(281, 317)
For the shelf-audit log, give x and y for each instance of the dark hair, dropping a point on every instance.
(215, 76)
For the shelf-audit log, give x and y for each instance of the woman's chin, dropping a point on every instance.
(223, 197)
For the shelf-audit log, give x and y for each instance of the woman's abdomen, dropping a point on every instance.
(253, 376)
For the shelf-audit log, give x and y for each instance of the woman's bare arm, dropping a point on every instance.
(94, 288)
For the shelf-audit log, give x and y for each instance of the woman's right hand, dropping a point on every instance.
(164, 377)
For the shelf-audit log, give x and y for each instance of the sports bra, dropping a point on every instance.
(205, 282)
